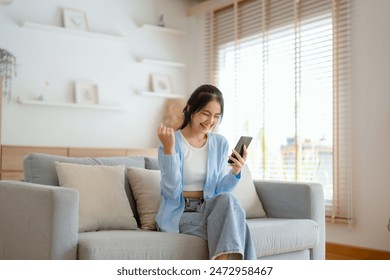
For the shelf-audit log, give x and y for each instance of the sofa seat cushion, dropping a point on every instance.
(140, 245)
(273, 236)
(270, 237)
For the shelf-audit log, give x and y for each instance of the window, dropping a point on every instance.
(283, 68)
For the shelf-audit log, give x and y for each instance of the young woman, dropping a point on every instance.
(196, 184)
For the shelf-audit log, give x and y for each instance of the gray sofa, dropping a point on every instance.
(39, 220)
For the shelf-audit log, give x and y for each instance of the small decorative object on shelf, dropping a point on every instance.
(86, 93)
(42, 96)
(7, 72)
(161, 22)
(74, 19)
(161, 83)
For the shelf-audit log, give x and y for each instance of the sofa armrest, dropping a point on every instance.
(295, 200)
(38, 221)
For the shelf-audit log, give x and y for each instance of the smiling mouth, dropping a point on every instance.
(206, 126)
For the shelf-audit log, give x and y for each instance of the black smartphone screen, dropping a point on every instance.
(244, 140)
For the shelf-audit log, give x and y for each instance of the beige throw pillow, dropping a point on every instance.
(246, 193)
(145, 185)
(103, 201)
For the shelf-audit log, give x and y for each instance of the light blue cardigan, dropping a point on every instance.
(171, 166)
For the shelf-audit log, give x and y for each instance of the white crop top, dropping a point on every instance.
(194, 168)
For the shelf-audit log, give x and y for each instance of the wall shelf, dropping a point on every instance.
(72, 32)
(163, 29)
(70, 105)
(161, 94)
(162, 62)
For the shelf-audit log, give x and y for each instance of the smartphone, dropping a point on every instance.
(244, 140)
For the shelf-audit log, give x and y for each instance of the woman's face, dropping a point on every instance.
(206, 119)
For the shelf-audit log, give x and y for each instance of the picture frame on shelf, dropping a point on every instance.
(75, 19)
(86, 93)
(161, 83)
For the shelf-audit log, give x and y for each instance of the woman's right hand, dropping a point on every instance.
(167, 138)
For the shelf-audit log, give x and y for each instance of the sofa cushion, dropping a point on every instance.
(103, 202)
(246, 193)
(277, 236)
(151, 163)
(131, 161)
(40, 168)
(145, 185)
(140, 245)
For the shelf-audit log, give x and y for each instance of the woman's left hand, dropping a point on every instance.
(238, 163)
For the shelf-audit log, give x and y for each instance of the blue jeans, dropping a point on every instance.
(221, 222)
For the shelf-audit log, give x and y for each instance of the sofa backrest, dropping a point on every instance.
(40, 169)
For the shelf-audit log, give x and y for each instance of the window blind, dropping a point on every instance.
(283, 66)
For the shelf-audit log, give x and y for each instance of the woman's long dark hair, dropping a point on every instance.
(199, 99)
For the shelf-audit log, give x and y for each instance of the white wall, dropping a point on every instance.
(62, 59)
(371, 152)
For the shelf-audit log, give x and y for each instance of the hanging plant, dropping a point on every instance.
(7, 72)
